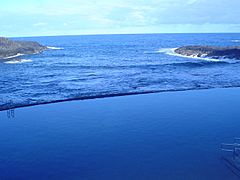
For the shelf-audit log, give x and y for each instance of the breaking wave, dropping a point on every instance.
(171, 51)
(18, 61)
(236, 40)
(54, 48)
(14, 56)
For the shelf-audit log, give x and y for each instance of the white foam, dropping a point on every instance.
(18, 61)
(236, 40)
(171, 51)
(17, 55)
(150, 52)
(54, 48)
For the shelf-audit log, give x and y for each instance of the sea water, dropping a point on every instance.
(82, 67)
(170, 136)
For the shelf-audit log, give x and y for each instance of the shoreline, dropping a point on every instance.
(11, 49)
(18, 55)
(171, 52)
(112, 96)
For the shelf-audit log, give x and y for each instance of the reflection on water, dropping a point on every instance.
(167, 136)
(11, 113)
(232, 156)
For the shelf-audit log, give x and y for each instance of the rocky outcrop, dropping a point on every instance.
(10, 48)
(210, 52)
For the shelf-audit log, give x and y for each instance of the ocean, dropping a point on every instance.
(95, 66)
(166, 135)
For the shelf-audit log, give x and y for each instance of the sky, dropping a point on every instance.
(75, 17)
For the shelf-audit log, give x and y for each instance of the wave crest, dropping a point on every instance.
(18, 61)
(236, 40)
(14, 56)
(54, 48)
(171, 51)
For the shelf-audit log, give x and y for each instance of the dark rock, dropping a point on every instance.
(9, 48)
(210, 52)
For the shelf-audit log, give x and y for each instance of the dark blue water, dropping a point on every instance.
(166, 136)
(109, 65)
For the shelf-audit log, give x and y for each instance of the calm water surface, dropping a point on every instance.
(170, 136)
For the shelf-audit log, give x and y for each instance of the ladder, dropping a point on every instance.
(232, 162)
(233, 148)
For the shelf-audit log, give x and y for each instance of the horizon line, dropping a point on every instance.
(104, 34)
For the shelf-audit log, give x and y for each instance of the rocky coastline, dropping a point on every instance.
(215, 52)
(10, 48)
